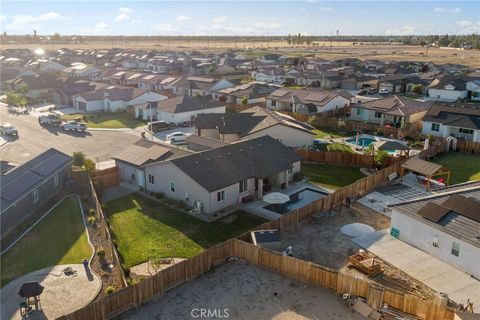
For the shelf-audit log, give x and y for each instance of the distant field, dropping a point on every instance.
(338, 49)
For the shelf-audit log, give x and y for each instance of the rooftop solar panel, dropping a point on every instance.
(20, 185)
(50, 164)
(433, 212)
(467, 207)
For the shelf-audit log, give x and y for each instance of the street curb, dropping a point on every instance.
(111, 129)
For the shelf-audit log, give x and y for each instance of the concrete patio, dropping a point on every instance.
(433, 272)
(257, 207)
(62, 294)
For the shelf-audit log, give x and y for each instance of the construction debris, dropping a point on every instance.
(366, 263)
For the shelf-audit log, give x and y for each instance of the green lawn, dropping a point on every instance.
(144, 228)
(60, 238)
(327, 133)
(114, 120)
(463, 166)
(334, 147)
(331, 176)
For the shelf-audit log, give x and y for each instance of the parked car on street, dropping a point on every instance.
(178, 136)
(74, 126)
(372, 91)
(9, 129)
(361, 92)
(156, 126)
(51, 119)
(384, 92)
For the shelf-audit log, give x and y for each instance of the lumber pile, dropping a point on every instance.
(366, 263)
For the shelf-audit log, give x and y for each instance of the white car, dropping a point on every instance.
(178, 136)
(9, 129)
(384, 92)
(74, 126)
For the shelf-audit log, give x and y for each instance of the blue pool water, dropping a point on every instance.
(362, 142)
(297, 200)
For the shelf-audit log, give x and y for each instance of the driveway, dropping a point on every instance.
(34, 139)
(433, 272)
(162, 135)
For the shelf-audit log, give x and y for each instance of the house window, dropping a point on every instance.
(221, 195)
(359, 112)
(55, 180)
(455, 249)
(435, 127)
(172, 186)
(35, 195)
(467, 131)
(290, 170)
(378, 114)
(273, 103)
(151, 178)
(243, 186)
(394, 232)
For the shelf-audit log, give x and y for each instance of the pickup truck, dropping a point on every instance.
(74, 126)
(9, 129)
(50, 119)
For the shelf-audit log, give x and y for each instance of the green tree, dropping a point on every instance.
(418, 89)
(89, 165)
(15, 99)
(79, 158)
(211, 69)
(380, 157)
(244, 101)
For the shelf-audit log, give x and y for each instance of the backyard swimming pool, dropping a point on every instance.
(297, 200)
(362, 142)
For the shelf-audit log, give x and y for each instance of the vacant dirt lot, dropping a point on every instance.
(245, 292)
(323, 49)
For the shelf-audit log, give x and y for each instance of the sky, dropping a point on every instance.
(237, 17)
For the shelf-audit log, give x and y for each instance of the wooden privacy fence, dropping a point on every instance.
(340, 283)
(468, 146)
(342, 158)
(141, 292)
(107, 178)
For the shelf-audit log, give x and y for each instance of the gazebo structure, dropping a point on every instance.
(391, 145)
(425, 168)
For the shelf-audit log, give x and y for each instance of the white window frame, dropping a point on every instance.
(435, 127)
(378, 115)
(172, 186)
(455, 248)
(465, 131)
(243, 186)
(36, 197)
(221, 196)
(151, 178)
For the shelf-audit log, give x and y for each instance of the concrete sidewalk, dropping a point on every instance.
(424, 267)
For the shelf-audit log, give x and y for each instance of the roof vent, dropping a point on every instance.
(196, 162)
(208, 159)
(219, 156)
(229, 153)
(241, 150)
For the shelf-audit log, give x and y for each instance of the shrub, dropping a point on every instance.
(92, 212)
(297, 176)
(109, 290)
(159, 195)
(91, 220)
(100, 253)
(141, 189)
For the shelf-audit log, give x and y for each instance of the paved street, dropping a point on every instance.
(34, 139)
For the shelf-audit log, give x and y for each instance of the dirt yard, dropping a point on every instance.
(339, 49)
(240, 291)
(321, 241)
